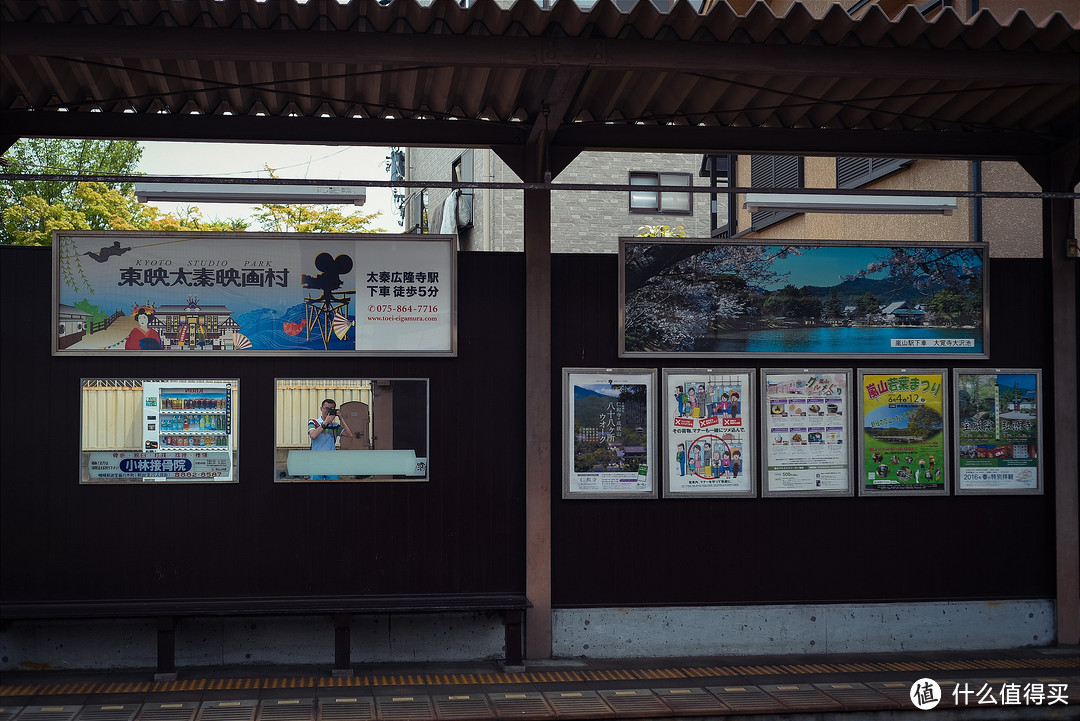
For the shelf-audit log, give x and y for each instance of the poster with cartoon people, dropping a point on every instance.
(253, 293)
(806, 432)
(903, 447)
(708, 432)
(998, 433)
(608, 433)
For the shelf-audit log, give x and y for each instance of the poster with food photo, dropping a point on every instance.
(806, 437)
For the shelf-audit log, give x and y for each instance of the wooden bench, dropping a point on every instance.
(511, 607)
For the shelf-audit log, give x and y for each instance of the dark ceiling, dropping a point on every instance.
(566, 79)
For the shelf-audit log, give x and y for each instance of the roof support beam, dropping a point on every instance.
(389, 49)
(803, 141)
(507, 139)
(271, 129)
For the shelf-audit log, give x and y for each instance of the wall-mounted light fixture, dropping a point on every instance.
(811, 203)
(249, 193)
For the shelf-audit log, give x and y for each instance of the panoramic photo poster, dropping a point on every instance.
(904, 446)
(731, 298)
(806, 436)
(709, 432)
(255, 293)
(608, 443)
(999, 432)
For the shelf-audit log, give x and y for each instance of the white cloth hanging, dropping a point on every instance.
(449, 224)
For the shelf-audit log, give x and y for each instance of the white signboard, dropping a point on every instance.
(171, 466)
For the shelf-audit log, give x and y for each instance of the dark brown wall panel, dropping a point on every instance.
(777, 550)
(464, 530)
(460, 532)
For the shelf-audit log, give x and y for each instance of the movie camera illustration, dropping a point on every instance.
(329, 312)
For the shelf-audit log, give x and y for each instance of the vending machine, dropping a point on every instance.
(189, 424)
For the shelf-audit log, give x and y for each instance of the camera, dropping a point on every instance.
(332, 412)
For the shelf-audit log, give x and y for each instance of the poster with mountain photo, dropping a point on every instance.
(728, 298)
(608, 437)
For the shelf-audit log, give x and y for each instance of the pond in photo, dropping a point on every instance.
(841, 340)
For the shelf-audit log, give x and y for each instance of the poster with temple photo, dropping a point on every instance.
(998, 432)
(214, 294)
(709, 428)
(609, 445)
(744, 298)
(807, 442)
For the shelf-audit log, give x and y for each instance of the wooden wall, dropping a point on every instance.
(464, 530)
(458, 533)
(798, 550)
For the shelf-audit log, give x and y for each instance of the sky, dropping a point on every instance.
(248, 160)
(823, 266)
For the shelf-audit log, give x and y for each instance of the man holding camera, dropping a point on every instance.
(324, 431)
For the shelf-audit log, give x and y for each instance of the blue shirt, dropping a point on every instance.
(325, 440)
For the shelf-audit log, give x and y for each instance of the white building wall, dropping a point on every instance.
(589, 221)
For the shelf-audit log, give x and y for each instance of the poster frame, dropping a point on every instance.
(1039, 488)
(316, 392)
(642, 376)
(140, 418)
(65, 317)
(749, 407)
(767, 489)
(946, 462)
(856, 249)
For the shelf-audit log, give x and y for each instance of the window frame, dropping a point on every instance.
(658, 207)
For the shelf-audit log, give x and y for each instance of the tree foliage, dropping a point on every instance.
(30, 210)
(57, 156)
(833, 305)
(677, 294)
(868, 304)
(96, 206)
(792, 302)
(313, 219)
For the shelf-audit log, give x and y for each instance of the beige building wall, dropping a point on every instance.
(1011, 227)
(821, 173)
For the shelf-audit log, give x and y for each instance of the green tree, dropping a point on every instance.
(661, 231)
(833, 306)
(792, 302)
(313, 219)
(277, 218)
(58, 156)
(925, 423)
(947, 304)
(868, 304)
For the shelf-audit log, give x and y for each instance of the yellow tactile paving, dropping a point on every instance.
(525, 677)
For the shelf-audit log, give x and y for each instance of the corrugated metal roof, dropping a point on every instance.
(595, 77)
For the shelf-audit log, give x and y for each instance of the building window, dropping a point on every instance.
(648, 197)
(416, 212)
(774, 171)
(857, 172)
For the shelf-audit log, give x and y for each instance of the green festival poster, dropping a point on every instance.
(903, 434)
